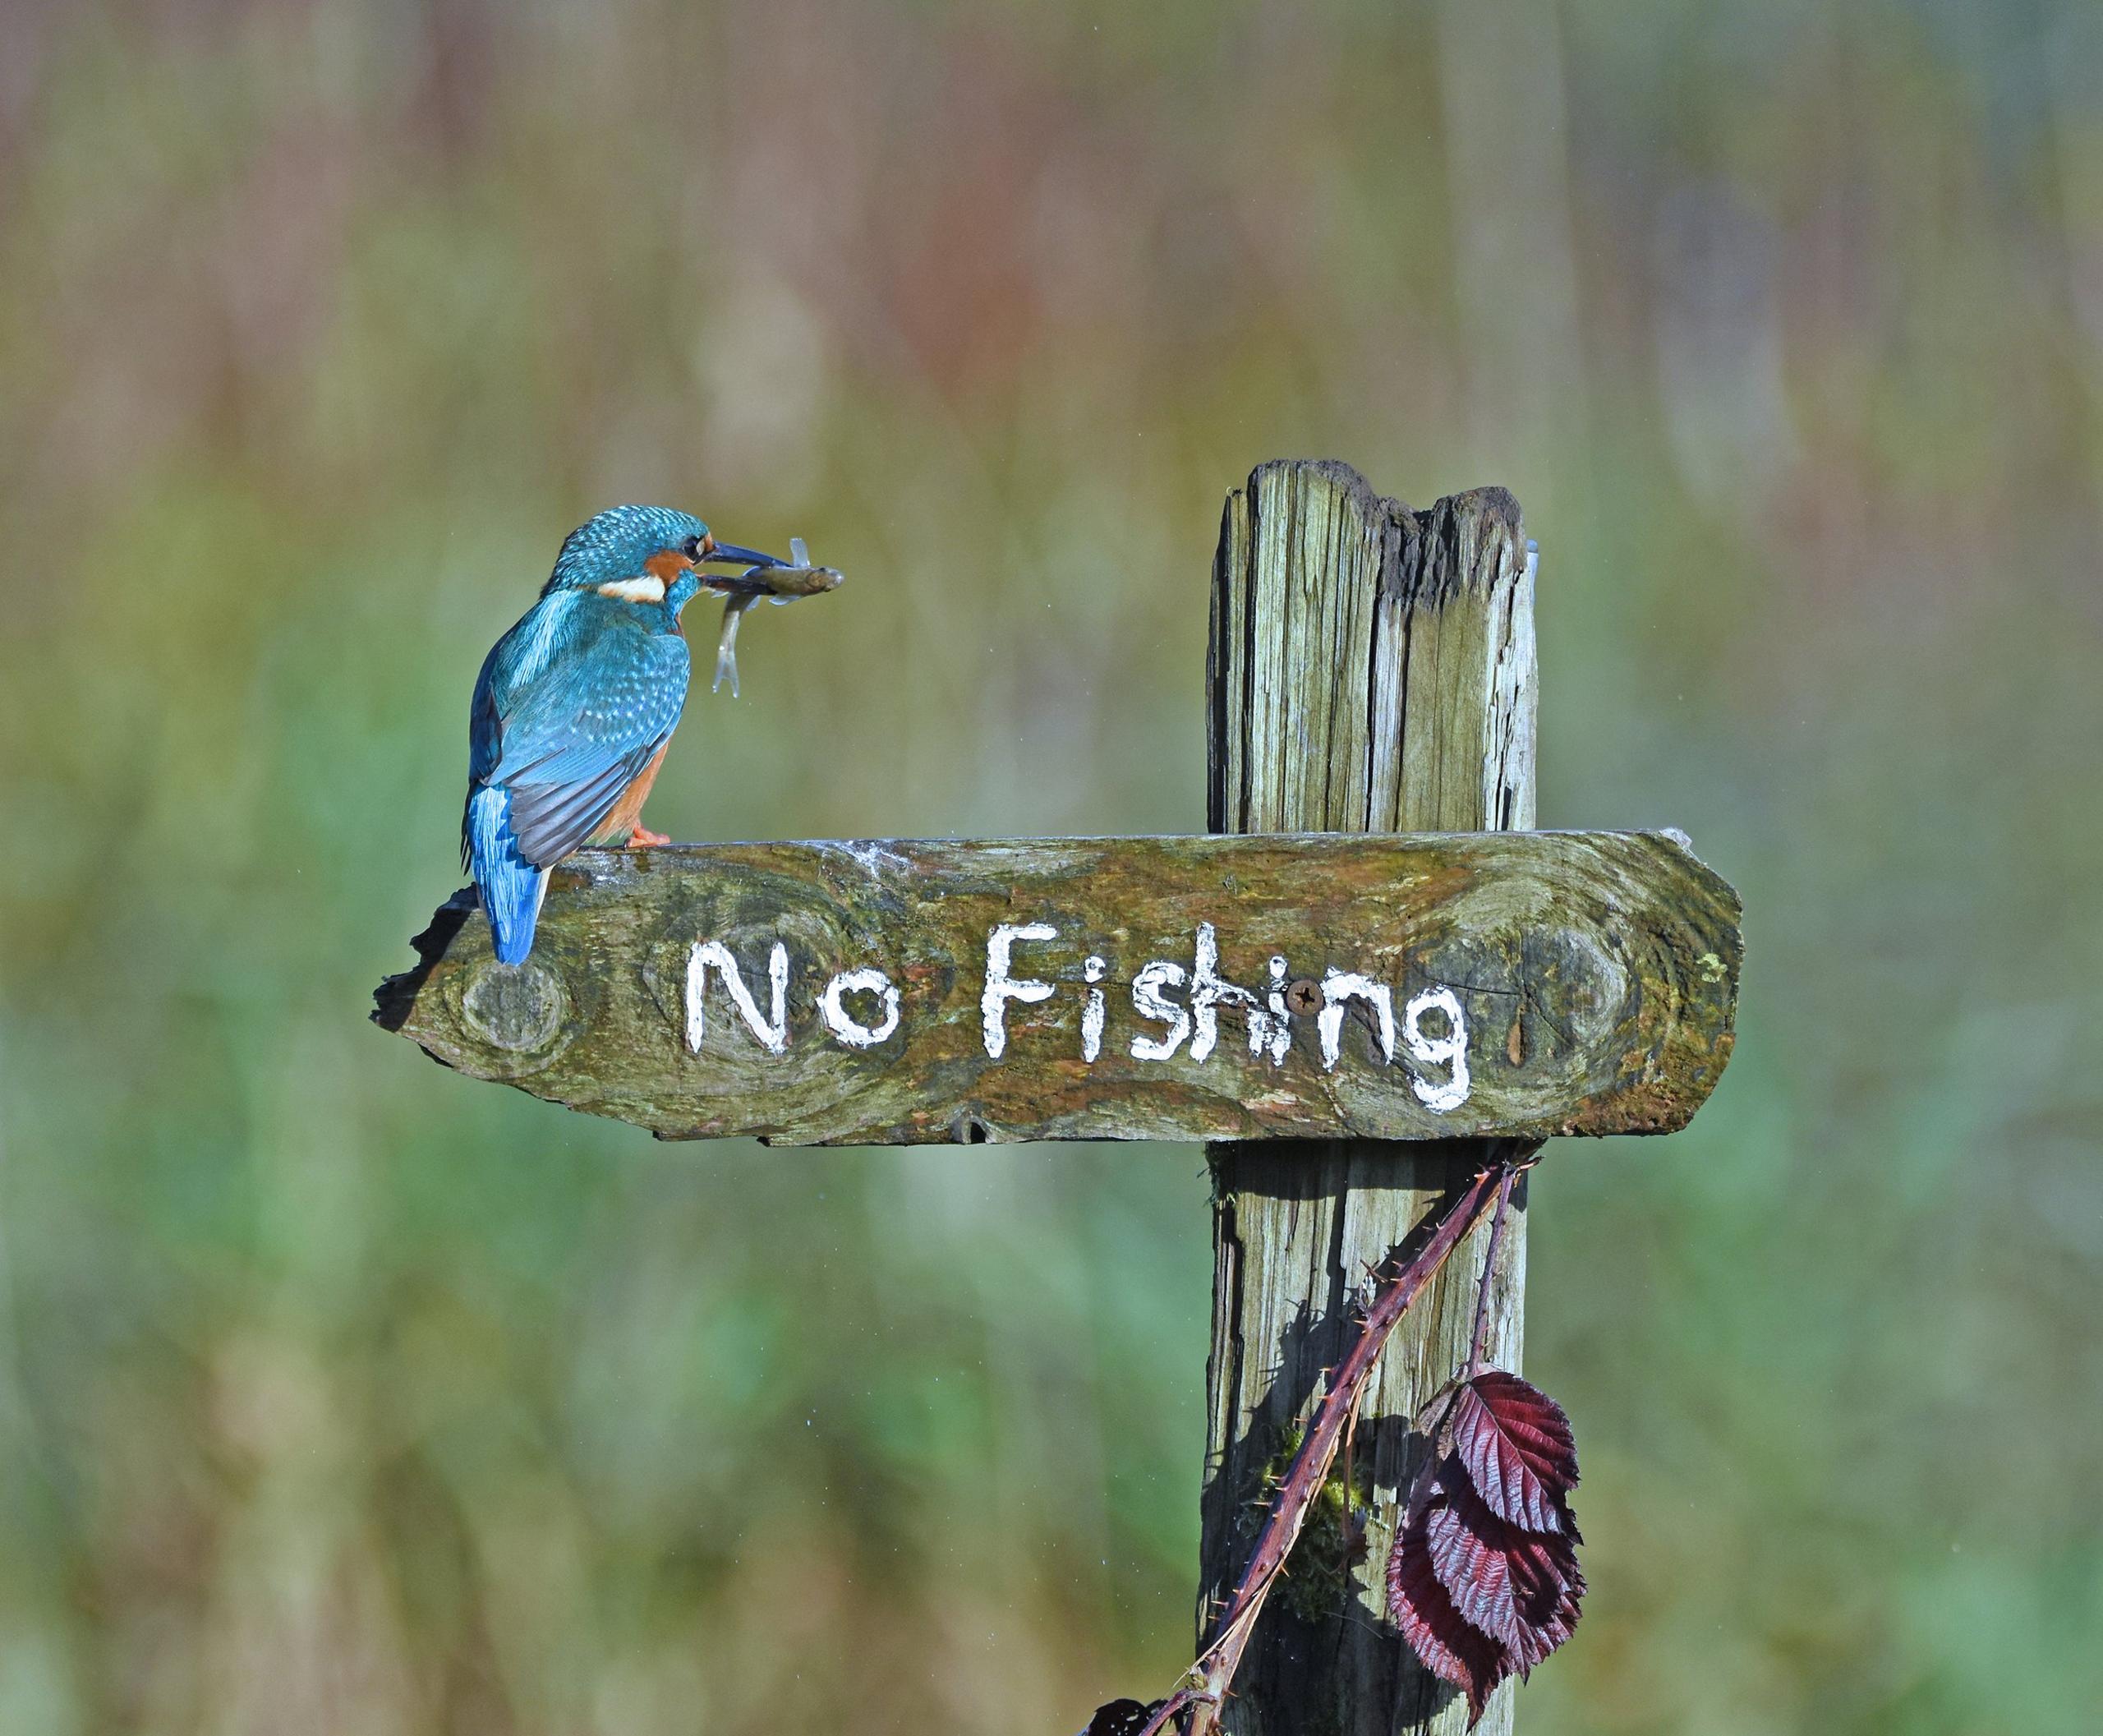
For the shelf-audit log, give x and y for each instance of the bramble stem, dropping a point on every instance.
(1480, 1331)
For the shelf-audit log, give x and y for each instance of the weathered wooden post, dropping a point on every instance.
(1372, 670)
(1370, 1018)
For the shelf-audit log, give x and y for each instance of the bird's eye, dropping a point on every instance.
(691, 548)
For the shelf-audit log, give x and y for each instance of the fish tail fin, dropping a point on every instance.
(511, 886)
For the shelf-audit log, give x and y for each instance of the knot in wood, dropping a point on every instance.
(514, 1006)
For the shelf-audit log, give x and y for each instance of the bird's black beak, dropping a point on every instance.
(731, 552)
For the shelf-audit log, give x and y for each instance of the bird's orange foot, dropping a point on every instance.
(643, 838)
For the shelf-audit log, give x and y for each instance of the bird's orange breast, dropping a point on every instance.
(626, 813)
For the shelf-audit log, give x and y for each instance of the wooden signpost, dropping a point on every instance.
(1361, 1021)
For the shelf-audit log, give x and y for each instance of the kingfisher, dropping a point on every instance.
(575, 706)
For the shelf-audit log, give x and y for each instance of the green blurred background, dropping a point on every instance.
(338, 1394)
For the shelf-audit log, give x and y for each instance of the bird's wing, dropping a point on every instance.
(575, 709)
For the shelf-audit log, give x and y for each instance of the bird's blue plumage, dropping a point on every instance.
(615, 543)
(511, 886)
(571, 706)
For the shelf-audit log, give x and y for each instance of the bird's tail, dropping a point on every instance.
(511, 886)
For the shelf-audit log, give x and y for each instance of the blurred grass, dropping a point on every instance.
(337, 1393)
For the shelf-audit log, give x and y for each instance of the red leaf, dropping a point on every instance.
(1452, 1648)
(1520, 1588)
(1515, 1444)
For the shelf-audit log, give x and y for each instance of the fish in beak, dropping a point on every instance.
(765, 579)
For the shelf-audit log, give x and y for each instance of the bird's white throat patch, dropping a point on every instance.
(646, 588)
